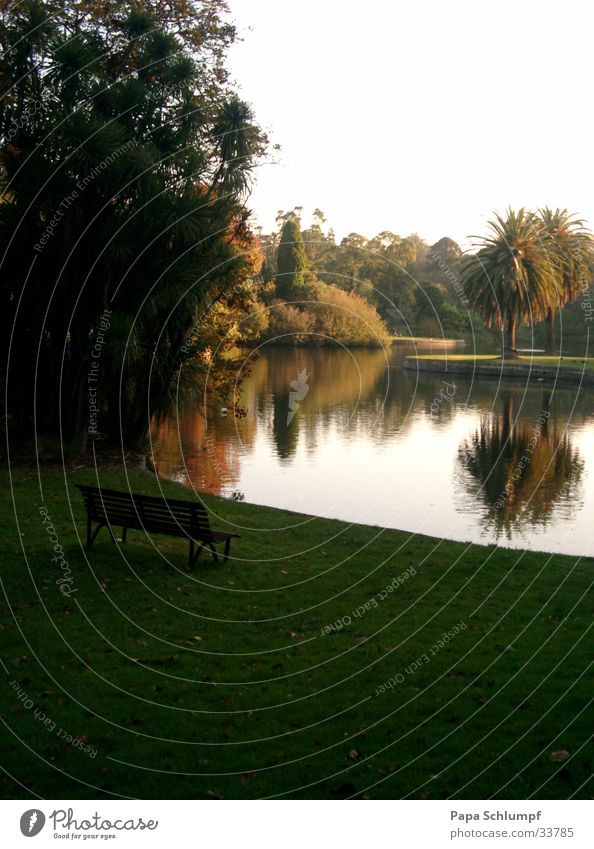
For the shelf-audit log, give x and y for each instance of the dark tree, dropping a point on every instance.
(291, 262)
(121, 216)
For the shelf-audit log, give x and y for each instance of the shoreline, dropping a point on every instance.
(427, 340)
(436, 342)
(79, 467)
(500, 369)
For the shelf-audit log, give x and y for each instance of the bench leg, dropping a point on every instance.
(124, 534)
(91, 535)
(194, 556)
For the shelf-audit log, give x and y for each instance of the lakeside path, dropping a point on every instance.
(566, 371)
(325, 660)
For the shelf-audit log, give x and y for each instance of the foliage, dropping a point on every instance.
(347, 318)
(289, 324)
(388, 271)
(201, 29)
(573, 251)
(514, 276)
(529, 266)
(333, 317)
(425, 289)
(291, 263)
(307, 310)
(122, 173)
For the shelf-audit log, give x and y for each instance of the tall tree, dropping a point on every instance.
(572, 246)
(291, 262)
(514, 276)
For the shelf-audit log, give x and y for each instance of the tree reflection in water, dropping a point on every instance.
(521, 470)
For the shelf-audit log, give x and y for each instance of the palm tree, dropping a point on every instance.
(573, 246)
(514, 277)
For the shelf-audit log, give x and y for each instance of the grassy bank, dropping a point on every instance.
(231, 682)
(424, 340)
(572, 371)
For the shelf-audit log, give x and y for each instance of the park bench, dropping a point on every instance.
(159, 515)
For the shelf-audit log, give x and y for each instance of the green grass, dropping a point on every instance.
(219, 683)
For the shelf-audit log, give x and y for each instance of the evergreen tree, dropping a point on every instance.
(291, 263)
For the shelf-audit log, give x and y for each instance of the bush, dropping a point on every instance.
(347, 318)
(289, 325)
(333, 317)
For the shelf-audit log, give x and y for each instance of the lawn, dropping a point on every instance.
(258, 678)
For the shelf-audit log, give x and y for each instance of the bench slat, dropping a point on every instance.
(154, 509)
(110, 495)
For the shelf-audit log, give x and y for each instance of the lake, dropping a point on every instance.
(349, 434)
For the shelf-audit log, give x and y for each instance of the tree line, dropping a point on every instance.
(409, 286)
(529, 267)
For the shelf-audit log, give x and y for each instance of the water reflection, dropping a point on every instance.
(371, 442)
(343, 390)
(520, 469)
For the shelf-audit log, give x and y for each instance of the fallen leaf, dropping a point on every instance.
(212, 794)
(559, 756)
(354, 754)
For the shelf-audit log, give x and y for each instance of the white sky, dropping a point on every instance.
(419, 116)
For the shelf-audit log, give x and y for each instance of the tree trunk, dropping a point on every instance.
(550, 330)
(510, 350)
(80, 431)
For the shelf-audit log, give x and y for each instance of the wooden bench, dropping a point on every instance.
(171, 516)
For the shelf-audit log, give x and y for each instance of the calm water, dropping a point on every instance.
(369, 442)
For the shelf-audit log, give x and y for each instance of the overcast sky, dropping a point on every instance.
(419, 116)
